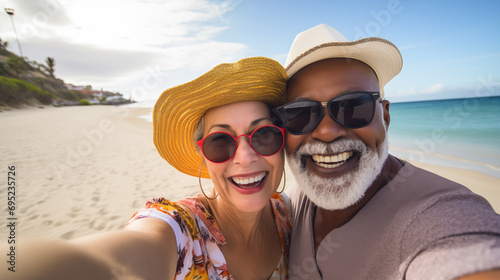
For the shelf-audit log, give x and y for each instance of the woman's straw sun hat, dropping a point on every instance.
(179, 109)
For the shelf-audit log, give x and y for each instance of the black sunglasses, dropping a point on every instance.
(351, 110)
(220, 147)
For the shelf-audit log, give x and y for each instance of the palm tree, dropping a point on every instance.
(4, 45)
(50, 65)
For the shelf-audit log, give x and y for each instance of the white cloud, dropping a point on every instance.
(410, 91)
(469, 59)
(126, 24)
(117, 44)
(436, 88)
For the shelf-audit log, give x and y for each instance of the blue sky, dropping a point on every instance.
(141, 47)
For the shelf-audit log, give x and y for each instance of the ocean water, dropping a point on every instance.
(463, 133)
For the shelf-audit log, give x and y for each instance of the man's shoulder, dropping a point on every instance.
(415, 188)
(410, 173)
(416, 184)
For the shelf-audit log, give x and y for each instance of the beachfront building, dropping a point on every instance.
(99, 96)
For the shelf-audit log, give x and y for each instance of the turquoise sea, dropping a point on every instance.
(463, 133)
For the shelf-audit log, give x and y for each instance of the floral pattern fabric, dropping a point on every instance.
(198, 236)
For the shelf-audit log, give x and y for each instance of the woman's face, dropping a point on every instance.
(232, 178)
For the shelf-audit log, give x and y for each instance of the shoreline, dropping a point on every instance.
(439, 158)
(82, 170)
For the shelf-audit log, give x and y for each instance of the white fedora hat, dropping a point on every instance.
(323, 42)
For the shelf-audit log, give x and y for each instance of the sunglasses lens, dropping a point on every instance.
(301, 117)
(219, 147)
(352, 110)
(267, 140)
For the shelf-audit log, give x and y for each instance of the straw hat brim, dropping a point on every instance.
(178, 110)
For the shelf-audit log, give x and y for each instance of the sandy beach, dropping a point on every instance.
(82, 170)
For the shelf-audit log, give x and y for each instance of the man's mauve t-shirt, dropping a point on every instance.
(419, 226)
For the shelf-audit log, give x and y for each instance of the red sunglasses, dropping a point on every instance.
(219, 147)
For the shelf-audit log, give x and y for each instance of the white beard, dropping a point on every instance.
(342, 192)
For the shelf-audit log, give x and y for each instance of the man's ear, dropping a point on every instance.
(387, 117)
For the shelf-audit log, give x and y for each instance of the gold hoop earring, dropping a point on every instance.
(284, 182)
(201, 187)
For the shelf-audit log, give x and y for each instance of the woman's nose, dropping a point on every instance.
(244, 154)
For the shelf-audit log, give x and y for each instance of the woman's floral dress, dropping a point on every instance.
(198, 236)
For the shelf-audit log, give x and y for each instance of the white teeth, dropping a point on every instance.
(331, 161)
(246, 181)
(329, 165)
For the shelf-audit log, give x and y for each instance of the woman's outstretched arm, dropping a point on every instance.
(146, 249)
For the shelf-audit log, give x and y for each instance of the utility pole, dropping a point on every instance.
(10, 12)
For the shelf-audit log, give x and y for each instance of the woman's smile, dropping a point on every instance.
(249, 184)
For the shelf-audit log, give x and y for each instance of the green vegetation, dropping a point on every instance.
(84, 101)
(18, 65)
(15, 92)
(25, 82)
(70, 95)
(28, 82)
(3, 45)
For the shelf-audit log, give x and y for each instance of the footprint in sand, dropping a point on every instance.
(138, 204)
(41, 201)
(77, 208)
(33, 217)
(67, 235)
(100, 226)
(95, 200)
(103, 211)
(72, 214)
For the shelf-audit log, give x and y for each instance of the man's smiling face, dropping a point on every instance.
(334, 165)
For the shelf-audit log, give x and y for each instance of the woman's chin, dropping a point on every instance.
(251, 203)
